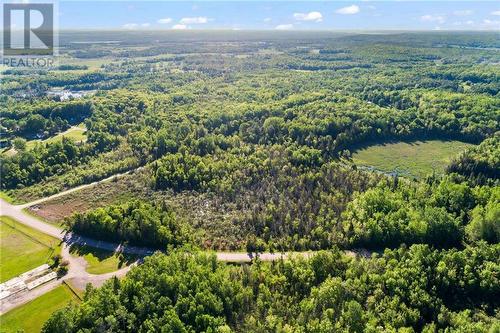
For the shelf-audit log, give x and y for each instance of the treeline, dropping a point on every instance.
(286, 196)
(32, 166)
(96, 168)
(411, 290)
(445, 214)
(134, 222)
(480, 164)
(43, 118)
(287, 202)
(324, 121)
(107, 124)
(36, 86)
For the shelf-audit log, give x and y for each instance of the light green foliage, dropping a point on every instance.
(485, 220)
(19, 144)
(402, 290)
(135, 222)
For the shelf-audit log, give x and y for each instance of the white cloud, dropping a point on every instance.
(165, 20)
(465, 12)
(349, 10)
(130, 26)
(491, 23)
(194, 20)
(180, 27)
(267, 19)
(461, 24)
(496, 13)
(284, 27)
(433, 18)
(311, 16)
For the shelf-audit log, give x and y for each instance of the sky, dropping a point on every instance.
(281, 15)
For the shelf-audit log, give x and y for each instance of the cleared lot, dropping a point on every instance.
(22, 248)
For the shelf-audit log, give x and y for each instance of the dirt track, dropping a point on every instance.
(77, 266)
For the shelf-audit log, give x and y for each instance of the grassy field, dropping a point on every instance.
(75, 133)
(99, 261)
(92, 63)
(31, 316)
(414, 159)
(112, 192)
(22, 248)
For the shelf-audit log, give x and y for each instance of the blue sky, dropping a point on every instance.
(281, 15)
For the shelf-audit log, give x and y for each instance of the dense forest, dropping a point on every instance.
(480, 164)
(134, 222)
(244, 141)
(405, 290)
(263, 135)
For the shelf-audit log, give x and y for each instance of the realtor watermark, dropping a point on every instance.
(29, 37)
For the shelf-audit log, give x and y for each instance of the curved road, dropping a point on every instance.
(74, 189)
(77, 265)
(17, 212)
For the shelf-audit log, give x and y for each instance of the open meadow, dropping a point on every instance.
(410, 158)
(30, 317)
(23, 248)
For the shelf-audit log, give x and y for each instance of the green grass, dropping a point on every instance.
(31, 316)
(22, 248)
(76, 134)
(92, 64)
(100, 261)
(414, 159)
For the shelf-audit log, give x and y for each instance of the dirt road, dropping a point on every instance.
(77, 266)
(74, 189)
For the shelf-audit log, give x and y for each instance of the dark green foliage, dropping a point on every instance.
(179, 293)
(410, 290)
(480, 164)
(184, 172)
(29, 167)
(135, 222)
(440, 214)
(42, 118)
